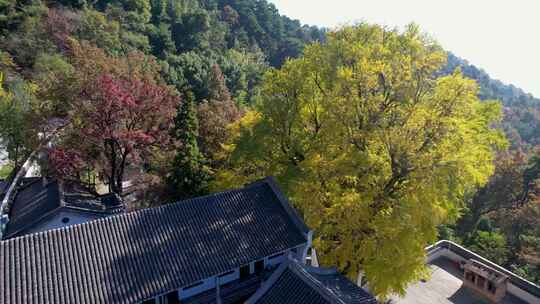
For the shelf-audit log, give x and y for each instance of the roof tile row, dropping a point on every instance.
(135, 256)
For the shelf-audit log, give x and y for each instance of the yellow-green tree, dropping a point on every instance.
(372, 146)
(19, 120)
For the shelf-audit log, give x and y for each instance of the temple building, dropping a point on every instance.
(228, 247)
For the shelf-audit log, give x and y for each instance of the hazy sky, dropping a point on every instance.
(500, 36)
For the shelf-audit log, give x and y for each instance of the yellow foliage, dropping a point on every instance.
(372, 148)
(2, 91)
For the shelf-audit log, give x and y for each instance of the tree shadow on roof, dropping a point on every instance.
(159, 250)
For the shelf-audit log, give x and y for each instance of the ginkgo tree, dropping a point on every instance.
(374, 148)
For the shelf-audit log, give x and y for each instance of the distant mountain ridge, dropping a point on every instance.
(521, 110)
(189, 37)
(490, 88)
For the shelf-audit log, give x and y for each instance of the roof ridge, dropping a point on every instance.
(320, 270)
(310, 279)
(269, 283)
(112, 217)
(297, 220)
(301, 271)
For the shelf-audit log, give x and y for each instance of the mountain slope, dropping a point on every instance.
(521, 110)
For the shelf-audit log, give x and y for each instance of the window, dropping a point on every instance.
(65, 220)
(259, 266)
(244, 271)
(193, 285)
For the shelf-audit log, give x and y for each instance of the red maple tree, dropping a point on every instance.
(116, 123)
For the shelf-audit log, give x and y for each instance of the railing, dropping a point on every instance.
(516, 280)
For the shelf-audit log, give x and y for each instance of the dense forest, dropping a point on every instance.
(383, 140)
(500, 220)
(213, 53)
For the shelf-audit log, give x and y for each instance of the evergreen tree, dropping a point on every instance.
(190, 175)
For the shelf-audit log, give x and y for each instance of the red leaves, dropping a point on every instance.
(116, 123)
(66, 162)
(132, 113)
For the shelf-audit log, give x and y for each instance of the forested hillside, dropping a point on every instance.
(522, 110)
(212, 53)
(185, 97)
(188, 37)
(500, 220)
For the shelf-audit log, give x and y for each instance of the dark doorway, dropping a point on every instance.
(259, 266)
(172, 298)
(244, 271)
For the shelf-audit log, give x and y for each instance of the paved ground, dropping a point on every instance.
(445, 287)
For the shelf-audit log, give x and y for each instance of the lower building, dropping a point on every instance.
(40, 204)
(219, 248)
(460, 276)
(294, 282)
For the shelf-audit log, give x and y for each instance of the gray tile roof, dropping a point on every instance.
(37, 200)
(34, 201)
(134, 256)
(296, 283)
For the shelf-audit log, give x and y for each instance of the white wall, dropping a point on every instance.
(520, 293)
(229, 278)
(210, 283)
(444, 252)
(3, 157)
(275, 261)
(207, 284)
